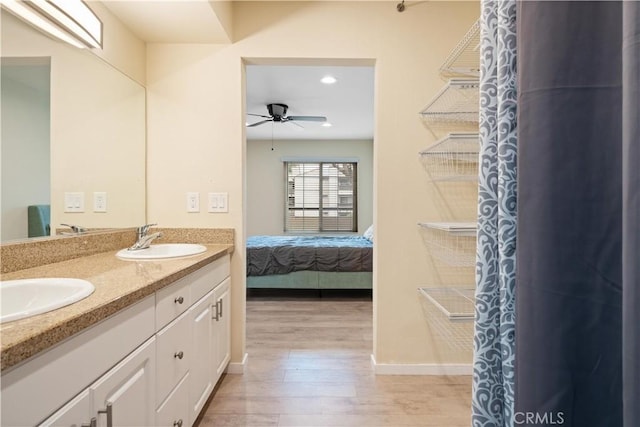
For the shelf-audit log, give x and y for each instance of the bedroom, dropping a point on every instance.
(340, 146)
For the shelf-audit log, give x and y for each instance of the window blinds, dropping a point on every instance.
(321, 196)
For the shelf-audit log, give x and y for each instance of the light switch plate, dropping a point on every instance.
(99, 201)
(74, 202)
(218, 202)
(193, 202)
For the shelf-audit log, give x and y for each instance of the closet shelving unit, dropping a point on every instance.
(453, 158)
(449, 310)
(463, 59)
(455, 106)
(453, 243)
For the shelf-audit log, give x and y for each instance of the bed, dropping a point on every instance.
(309, 262)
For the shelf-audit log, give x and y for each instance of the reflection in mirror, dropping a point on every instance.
(25, 147)
(89, 123)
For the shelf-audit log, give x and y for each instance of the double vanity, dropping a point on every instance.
(145, 348)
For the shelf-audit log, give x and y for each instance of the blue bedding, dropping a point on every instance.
(267, 255)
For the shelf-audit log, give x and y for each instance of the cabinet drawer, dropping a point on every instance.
(172, 301)
(174, 411)
(208, 277)
(172, 355)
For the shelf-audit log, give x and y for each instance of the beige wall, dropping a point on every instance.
(196, 137)
(265, 179)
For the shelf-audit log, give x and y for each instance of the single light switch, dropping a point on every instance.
(193, 202)
(99, 201)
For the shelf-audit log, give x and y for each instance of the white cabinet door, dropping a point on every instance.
(128, 390)
(174, 411)
(202, 363)
(76, 413)
(222, 328)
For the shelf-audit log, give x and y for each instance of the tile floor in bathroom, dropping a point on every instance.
(309, 365)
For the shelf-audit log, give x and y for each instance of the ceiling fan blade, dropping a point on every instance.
(294, 123)
(258, 115)
(261, 122)
(308, 118)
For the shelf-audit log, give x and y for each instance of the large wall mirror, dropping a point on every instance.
(71, 123)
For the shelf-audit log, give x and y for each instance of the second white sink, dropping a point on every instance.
(28, 297)
(164, 250)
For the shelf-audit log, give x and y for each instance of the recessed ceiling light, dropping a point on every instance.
(328, 80)
(326, 125)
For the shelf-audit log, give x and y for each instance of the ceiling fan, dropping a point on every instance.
(278, 113)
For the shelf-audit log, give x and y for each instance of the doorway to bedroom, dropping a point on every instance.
(309, 196)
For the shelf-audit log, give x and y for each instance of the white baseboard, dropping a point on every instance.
(237, 368)
(421, 369)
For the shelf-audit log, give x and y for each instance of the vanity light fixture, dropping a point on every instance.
(326, 125)
(328, 80)
(69, 20)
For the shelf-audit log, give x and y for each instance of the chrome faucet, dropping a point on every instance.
(144, 240)
(75, 229)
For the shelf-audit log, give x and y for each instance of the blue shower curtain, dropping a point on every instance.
(578, 277)
(494, 351)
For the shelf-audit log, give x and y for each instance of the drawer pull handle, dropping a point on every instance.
(179, 355)
(179, 300)
(177, 423)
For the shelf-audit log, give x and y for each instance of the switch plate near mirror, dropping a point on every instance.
(74, 202)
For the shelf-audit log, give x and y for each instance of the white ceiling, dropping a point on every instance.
(347, 104)
(170, 21)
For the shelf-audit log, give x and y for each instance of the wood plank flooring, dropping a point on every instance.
(309, 365)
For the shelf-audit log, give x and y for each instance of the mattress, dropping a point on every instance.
(268, 255)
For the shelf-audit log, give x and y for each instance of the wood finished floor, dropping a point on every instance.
(309, 365)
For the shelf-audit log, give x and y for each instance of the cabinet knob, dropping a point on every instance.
(179, 355)
(179, 300)
(177, 423)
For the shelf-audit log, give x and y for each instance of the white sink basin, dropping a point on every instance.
(28, 297)
(164, 250)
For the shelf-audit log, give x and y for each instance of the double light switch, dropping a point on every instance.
(217, 202)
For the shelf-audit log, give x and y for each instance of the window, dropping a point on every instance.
(321, 197)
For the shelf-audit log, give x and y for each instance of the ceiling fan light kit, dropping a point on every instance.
(328, 80)
(278, 114)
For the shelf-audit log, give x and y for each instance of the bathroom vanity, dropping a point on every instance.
(144, 353)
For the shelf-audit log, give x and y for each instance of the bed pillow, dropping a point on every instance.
(368, 234)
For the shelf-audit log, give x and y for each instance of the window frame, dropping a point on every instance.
(323, 227)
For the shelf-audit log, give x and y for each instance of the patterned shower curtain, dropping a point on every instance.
(494, 340)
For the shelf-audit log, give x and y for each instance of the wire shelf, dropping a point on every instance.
(453, 158)
(457, 103)
(464, 59)
(449, 312)
(451, 243)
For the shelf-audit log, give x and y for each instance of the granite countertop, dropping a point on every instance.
(118, 284)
